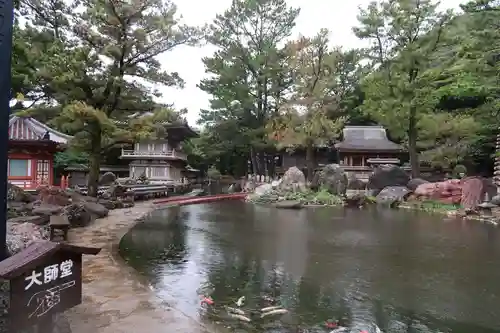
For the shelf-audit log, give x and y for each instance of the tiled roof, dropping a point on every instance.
(27, 128)
(363, 138)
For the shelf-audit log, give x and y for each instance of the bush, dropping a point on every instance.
(459, 171)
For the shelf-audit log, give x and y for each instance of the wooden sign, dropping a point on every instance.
(45, 278)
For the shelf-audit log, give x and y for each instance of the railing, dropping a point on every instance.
(171, 153)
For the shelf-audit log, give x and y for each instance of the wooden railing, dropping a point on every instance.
(171, 153)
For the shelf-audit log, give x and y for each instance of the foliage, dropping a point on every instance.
(400, 94)
(100, 68)
(307, 197)
(213, 173)
(70, 157)
(459, 171)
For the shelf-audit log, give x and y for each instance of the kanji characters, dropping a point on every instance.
(33, 279)
(50, 273)
(65, 268)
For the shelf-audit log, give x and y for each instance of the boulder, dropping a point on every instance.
(53, 196)
(472, 192)
(293, 180)
(356, 200)
(331, 178)
(47, 210)
(495, 200)
(355, 183)
(415, 182)
(263, 189)
(289, 204)
(114, 191)
(448, 191)
(387, 175)
(77, 197)
(16, 208)
(96, 209)
(35, 219)
(77, 215)
(20, 235)
(392, 195)
(15, 193)
(107, 178)
(109, 204)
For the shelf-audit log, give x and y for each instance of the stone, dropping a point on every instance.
(387, 175)
(53, 196)
(77, 197)
(495, 200)
(20, 235)
(472, 192)
(107, 178)
(77, 215)
(392, 195)
(114, 191)
(47, 210)
(415, 182)
(15, 193)
(19, 208)
(289, 204)
(355, 183)
(35, 219)
(96, 209)
(448, 191)
(356, 200)
(331, 178)
(263, 189)
(293, 180)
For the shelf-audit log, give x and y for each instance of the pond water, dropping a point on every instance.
(401, 271)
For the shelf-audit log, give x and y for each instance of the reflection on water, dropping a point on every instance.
(401, 271)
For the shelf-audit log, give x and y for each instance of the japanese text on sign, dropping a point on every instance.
(50, 273)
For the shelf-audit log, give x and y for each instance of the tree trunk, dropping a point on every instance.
(94, 164)
(310, 160)
(412, 143)
(253, 158)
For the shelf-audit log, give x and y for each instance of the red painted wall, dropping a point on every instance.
(34, 159)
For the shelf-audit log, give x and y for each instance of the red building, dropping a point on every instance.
(32, 146)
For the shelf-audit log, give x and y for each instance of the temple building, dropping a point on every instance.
(363, 147)
(163, 159)
(32, 146)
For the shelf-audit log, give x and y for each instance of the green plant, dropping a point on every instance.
(459, 171)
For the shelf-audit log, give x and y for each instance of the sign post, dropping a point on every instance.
(45, 279)
(6, 21)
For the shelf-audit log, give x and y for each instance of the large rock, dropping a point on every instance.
(448, 191)
(114, 191)
(15, 193)
(53, 196)
(355, 183)
(47, 210)
(20, 235)
(107, 178)
(96, 209)
(77, 215)
(472, 192)
(392, 194)
(415, 182)
(263, 189)
(36, 219)
(331, 178)
(293, 180)
(387, 175)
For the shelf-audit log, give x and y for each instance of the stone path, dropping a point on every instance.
(114, 298)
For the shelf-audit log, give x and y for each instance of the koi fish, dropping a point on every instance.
(239, 317)
(339, 330)
(207, 300)
(234, 310)
(240, 301)
(270, 308)
(274, 312)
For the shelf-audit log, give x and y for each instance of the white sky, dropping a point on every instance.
(339, 16)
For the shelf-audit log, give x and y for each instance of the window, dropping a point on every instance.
(19, 168)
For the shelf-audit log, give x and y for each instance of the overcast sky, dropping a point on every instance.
(339, 16)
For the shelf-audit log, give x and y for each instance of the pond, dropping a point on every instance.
(401, 271)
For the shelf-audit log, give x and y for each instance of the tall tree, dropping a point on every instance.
(402, 35)
(104, 72)
(312, 114)
(247, 75)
